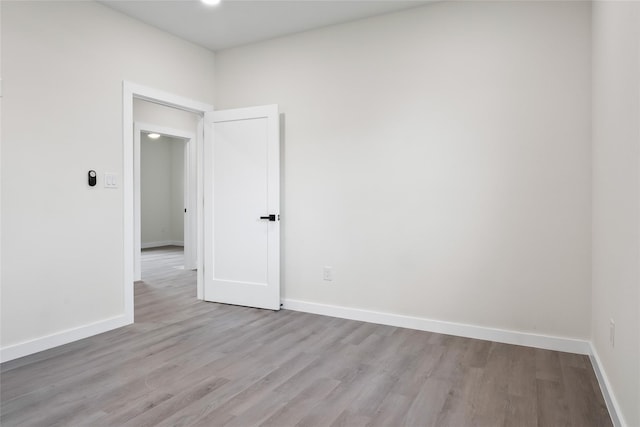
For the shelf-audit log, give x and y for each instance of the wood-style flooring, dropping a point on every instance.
(186, 362)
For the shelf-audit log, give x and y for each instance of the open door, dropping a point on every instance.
(242, 207)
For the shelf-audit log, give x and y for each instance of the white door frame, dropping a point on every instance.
(129, 92)
(190, 183)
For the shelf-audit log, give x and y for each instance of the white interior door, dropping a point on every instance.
(242, 207)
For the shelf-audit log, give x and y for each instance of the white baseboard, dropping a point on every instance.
(162, 243)
(450, 328)
(605, 386)
(64, 337)
(547, 342)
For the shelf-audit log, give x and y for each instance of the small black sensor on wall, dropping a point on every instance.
(92, 178)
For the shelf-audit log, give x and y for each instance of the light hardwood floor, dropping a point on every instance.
(186, 362)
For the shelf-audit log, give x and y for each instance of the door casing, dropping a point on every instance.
(131, 91)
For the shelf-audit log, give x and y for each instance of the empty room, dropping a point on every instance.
(354, 213)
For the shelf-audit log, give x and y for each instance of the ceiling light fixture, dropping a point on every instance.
(211, 2)
(154, 135)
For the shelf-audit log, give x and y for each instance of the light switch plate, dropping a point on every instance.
(110, 180)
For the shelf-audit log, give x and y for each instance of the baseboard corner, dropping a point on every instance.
(605, 387)
(162, 243)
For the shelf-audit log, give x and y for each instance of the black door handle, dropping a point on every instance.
(271, 217)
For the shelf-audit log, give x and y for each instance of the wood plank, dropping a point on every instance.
(188, 362)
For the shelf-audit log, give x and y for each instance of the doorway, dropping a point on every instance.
(131, 93)
(165, 187)
(262, 126)
(162, 191)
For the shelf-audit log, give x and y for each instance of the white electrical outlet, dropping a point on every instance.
(612, 333)
(327, 274)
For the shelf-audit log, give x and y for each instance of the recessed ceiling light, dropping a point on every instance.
(154, 135)
(211, 2)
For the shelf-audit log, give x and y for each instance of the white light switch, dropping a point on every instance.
(110, 180)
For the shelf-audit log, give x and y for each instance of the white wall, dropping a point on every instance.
(438, 159)
(63, 67)
(616, 198)
(162, 191)
(155, 194)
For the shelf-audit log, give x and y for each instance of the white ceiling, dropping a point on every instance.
(238, 22)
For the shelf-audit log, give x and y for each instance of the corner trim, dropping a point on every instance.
(59, 338)
(547, 342)
(607, 391)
